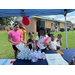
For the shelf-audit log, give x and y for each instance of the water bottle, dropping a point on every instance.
(43, 55)
(18, 56)
(39, 50)
(29, 57)
(74, 58)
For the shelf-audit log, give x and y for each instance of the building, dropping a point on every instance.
(4, 27)
(37, 21)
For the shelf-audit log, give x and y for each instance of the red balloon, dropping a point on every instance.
(25, 21)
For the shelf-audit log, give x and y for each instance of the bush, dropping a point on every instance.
(11, 28)
(48, 30)
(68, 29)
(62, 29)
(73, 28)
(8, 30)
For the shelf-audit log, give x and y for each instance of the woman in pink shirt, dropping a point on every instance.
(15, 35)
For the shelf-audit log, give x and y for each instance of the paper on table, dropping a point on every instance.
(55, 59)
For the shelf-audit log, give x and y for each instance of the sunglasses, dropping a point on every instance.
(16, 24)
(31, 33)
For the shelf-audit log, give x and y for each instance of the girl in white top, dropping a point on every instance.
(40, 38)
(52, 44)
(59, 41)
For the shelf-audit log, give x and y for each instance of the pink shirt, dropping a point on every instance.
(15, 36)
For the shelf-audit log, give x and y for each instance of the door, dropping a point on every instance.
(42, 24)
(37, 25)
(56, 27)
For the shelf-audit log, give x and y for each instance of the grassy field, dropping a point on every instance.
(6, 51)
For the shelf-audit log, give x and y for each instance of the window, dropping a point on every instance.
(51, 23)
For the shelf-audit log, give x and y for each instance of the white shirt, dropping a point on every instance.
(41, 41)
(58, 43)
(53, 45)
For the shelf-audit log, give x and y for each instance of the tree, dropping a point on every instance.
(69, 21)
(6, 20)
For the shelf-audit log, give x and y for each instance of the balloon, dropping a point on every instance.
(25, 21)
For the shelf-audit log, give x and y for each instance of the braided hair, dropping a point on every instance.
(43, 29)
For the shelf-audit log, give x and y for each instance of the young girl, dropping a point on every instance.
(40, 38)
(58, 40)
(52, 44)
(15, 35)
(30, 41)
(22, 30)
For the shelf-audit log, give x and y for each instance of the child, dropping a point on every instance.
(15, 35)
(30, 41)
(52, 44)
(58, 40)
(22, 30)
(40, 38)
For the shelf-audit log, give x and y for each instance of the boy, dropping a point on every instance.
(58, 40)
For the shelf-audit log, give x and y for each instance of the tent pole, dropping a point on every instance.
(66, 32)
(72, 28)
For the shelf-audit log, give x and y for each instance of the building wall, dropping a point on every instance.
(62, 25)
(48, 24)
(74, 25)
(70, 26)
(32, 26)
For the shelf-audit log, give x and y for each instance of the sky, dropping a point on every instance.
(69, 17)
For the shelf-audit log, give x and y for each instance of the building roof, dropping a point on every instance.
(51, 19)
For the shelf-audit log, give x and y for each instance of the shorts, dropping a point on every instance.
(15, 48)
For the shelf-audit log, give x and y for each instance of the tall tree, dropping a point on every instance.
(6, 20)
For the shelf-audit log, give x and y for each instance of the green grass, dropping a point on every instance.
(6, 51)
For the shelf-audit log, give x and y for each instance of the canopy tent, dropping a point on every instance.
(32, 12)
(36, 12)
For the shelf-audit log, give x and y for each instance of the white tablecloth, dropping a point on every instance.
(6, 61)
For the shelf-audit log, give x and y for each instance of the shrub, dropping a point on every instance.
(73, 28)
(8, 30)
(68, 29)
(62, 29)
(48, 30)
